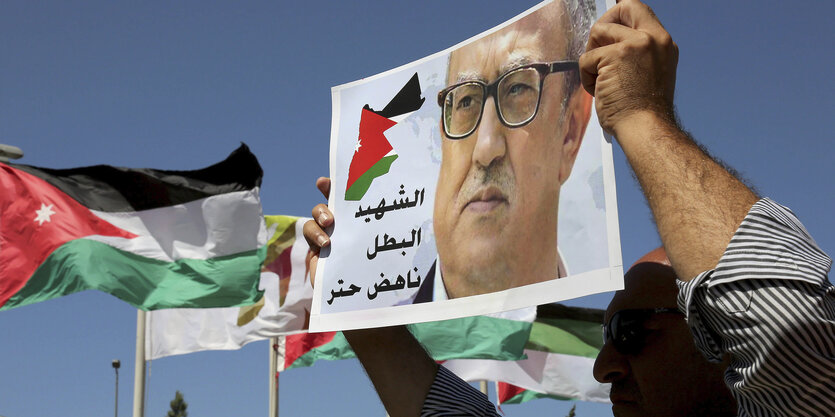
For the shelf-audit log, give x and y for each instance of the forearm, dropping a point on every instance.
(397, 365)
(630, 66)
(697, 204)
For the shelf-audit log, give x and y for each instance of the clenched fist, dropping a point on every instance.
(629, 65)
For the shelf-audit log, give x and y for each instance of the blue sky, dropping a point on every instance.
(177, 85)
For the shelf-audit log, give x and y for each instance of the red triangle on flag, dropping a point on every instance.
(298, 345)
(35, 219)
(507, 391)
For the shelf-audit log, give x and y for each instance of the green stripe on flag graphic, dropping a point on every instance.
(360, 186)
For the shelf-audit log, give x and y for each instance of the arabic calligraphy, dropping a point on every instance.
(391, 243)
(396, 204)
(353, 289)
(399, 284)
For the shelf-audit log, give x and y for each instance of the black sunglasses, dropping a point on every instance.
(626, 331)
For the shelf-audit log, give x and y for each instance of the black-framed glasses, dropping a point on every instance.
(626, 331)
(516, 94)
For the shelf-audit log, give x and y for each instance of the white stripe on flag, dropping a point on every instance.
(185, 330)
(219, 225)
(549, 373)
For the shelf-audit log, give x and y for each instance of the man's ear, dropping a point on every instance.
(577, 116)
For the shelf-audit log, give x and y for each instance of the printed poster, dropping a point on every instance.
(473, 181)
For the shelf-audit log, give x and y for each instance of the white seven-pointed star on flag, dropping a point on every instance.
(357, 146)
(44, 214)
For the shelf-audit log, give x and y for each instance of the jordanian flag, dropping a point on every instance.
(153, 238)
(564, 341)
(470, 337)
(373, 154)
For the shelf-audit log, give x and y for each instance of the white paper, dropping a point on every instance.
(384, 245)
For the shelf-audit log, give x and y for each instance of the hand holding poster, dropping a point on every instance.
(452, 176)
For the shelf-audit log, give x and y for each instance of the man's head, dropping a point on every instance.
(496, 203)
(654, 366)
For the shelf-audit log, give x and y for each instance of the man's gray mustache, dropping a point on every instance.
(498, 175)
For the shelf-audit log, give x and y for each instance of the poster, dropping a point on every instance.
(473, 181)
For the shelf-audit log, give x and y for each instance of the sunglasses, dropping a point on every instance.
(626, 331)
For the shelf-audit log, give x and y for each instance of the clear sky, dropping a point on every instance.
(177, 85)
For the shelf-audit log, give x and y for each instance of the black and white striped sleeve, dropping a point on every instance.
(770, 305)
(451, 396)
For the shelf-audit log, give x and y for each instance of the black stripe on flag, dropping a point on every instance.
(114, 189)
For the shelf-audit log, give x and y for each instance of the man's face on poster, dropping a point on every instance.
(496, 203)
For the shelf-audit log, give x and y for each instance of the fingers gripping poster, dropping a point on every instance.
(473, 181)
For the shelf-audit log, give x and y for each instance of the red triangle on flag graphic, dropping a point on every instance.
(372, 144)
(35, 219)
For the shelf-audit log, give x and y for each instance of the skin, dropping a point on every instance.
(669, 376)
(630, 67)
(390, 355)
(495, 181)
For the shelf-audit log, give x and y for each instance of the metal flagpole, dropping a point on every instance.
(274, 377)
(483, 386)
(116, 364)
(139, 367)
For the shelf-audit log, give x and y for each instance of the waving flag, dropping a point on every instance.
(564, 341)
(373, 154)
(469, 337)
(153, 238)
(284, 308)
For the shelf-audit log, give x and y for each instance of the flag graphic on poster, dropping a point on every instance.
(564, 341)
(373, 154)
(284, 308)
(153, 238)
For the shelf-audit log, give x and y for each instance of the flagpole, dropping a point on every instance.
(483, 386)
(274, 377)
(139, 367)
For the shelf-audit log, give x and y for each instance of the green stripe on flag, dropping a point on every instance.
(477, 337)
(336, 349)
(360, 186)
(145, 283)
(528, 395)
(570, 337)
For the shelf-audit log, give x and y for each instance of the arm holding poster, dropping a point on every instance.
(468, 203)
(438, 167)
(636, 106)
(389, 355)
(744, 263)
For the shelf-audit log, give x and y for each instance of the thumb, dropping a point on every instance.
(312, 261)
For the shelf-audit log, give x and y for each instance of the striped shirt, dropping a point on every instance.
(768, 304)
